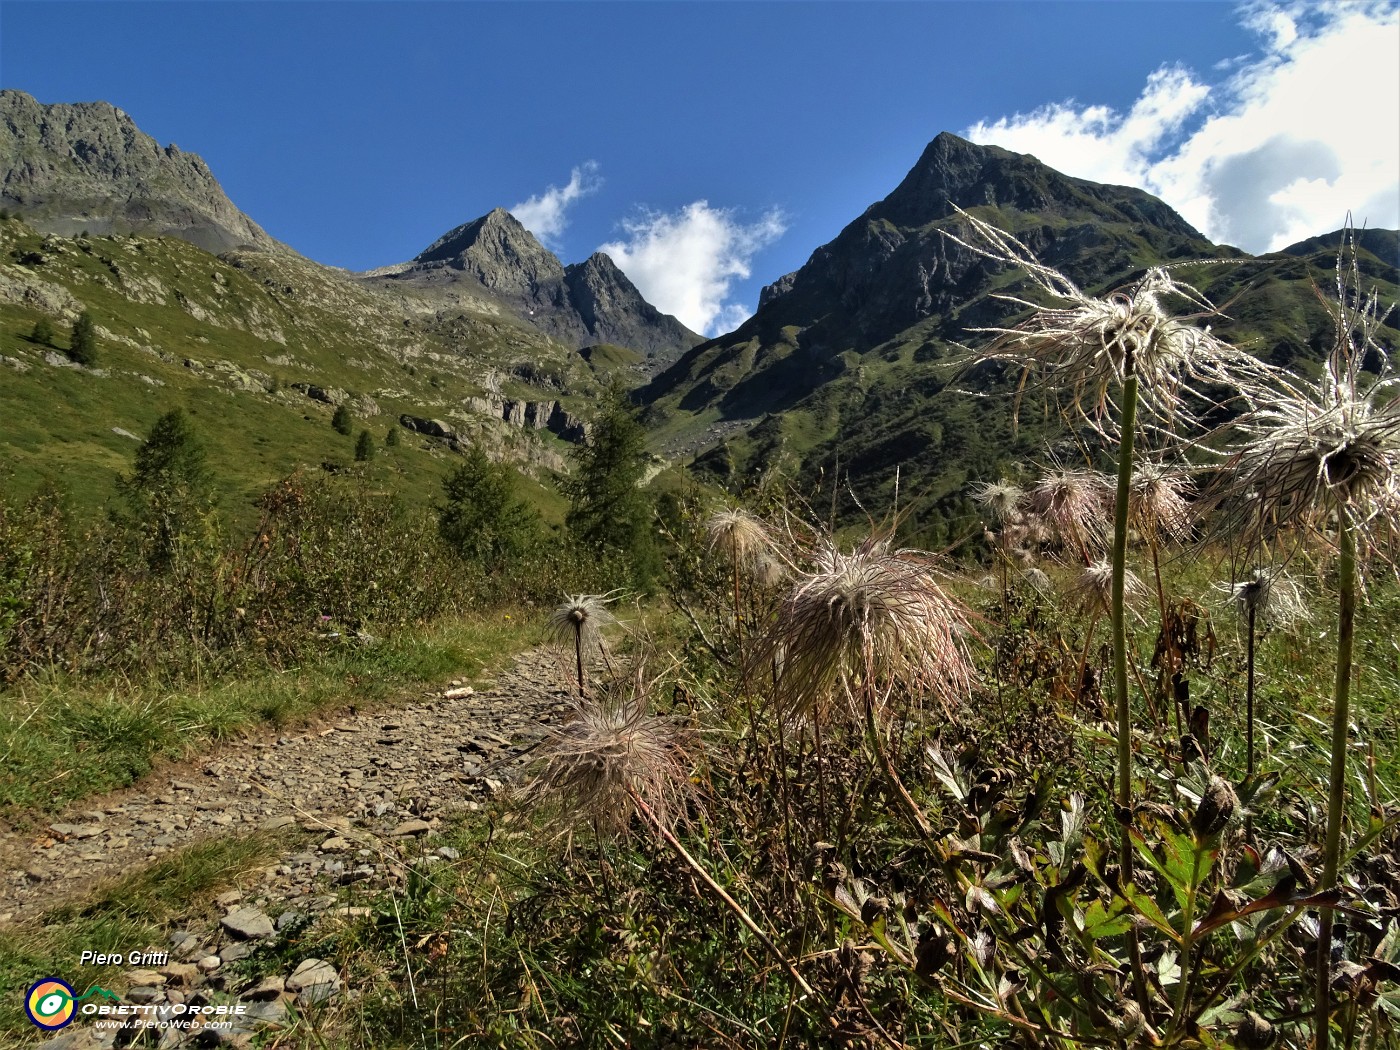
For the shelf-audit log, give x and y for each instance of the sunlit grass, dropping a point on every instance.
(63, 738)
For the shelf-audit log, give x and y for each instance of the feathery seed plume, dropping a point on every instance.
(1091, 590)
(581, 619)
(1076, 506)
(868, 620)
(611, 747)
(1272, 595)
(1085, 347)
(1002, 501)
(1159, 501)
(739, 534)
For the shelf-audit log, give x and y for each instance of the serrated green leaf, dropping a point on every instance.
(1100, 921)
(1144, 905)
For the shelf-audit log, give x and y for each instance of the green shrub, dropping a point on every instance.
(43, 333)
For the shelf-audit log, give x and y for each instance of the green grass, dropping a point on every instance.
(62, 739)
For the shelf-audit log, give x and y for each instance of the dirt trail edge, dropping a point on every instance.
(385, 777)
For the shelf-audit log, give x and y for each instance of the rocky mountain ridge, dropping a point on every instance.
(581, 304)
(87, 166)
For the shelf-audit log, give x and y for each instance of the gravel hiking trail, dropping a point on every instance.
(384, 779)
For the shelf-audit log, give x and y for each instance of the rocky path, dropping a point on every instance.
(373, 788)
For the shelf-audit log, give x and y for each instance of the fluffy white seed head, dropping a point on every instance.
(610, 749)
(1083, 348)
(858, 625)
(1091, 589)
(580, 620)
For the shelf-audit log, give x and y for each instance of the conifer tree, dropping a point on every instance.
(170, 488)
(43, 333)
(364, 447)
(609, 512)
(83, 348)
(482, 519)
(341, 420)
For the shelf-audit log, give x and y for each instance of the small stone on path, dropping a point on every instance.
(248, 924)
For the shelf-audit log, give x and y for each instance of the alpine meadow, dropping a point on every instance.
(989, 642)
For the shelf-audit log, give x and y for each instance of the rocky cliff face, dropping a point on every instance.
(582, 304)
(69, 168)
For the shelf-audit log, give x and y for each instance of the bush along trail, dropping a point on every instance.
(355, 804)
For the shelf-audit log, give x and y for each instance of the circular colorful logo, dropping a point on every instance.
(50, 1003)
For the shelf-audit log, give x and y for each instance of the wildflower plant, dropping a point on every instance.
(1112, 356)
(611, 752)
(1313, 457)
(855, 625)
(749, 545)
(1266, 599)
(578, 624)
(617, 759)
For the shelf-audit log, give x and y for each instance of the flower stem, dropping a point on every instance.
(578, 657)
(1250, 614)
(1120, 624)
(1120, 661)
(1249, 692)
(1336, 787)
(674, 843)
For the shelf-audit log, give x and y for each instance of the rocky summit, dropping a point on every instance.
(70, 168)
(580, 305)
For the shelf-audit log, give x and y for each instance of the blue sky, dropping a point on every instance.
(713, 146)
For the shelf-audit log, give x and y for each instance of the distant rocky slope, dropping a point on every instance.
(69, 168)
(580, 305)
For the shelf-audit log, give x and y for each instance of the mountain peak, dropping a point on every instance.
(87, 166)
(495, 233)
(585, 303)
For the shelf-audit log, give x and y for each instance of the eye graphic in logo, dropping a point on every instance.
(49, 1003)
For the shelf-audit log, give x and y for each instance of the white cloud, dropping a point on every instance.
(684, 262)
(545, 214)
(1295, 137)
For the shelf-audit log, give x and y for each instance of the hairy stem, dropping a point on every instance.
(733, 905)
(578, 657)
(1120, 660)
(1336, 787)
(1249, 693)
(1120, 623)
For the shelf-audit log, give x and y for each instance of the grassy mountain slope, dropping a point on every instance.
(240, 341)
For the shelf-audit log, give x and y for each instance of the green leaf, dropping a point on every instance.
(1111, 921)
(1145, 906)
